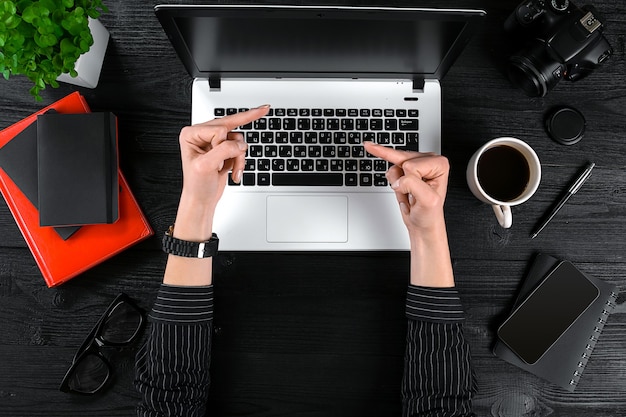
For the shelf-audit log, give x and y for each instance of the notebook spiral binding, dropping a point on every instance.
(593, 339)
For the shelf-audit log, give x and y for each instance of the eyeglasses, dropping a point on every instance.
(120, 325)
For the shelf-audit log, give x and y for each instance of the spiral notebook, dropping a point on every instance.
(564, 362)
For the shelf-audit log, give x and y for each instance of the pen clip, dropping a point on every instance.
(581, 180)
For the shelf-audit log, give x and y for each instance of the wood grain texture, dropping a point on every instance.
(322, 334)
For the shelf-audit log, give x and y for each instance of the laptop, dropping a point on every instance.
(335, 77)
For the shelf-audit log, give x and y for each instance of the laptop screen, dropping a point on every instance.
(304, 41)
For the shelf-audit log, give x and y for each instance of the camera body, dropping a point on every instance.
(558, 41)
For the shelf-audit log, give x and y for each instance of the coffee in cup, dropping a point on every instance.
(504, 172)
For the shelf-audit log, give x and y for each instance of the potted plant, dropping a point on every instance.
(44, 39)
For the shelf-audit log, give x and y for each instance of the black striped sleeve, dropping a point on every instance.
(183, 305)
(172, 367)
(434, 304)
(438, 376)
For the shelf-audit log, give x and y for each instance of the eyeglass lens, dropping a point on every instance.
(121, 325)
(90, 374)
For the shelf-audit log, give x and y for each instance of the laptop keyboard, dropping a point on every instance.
(323, 147)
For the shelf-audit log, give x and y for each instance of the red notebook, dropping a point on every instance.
(58, 259)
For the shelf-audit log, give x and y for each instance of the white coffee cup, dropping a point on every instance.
(504, 172)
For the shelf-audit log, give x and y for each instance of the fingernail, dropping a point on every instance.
(221, 166)
(242, 146)
(265, 106)
(404, 209)
(395, 185)
(238, 175)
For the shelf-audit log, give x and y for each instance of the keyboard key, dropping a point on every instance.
(248, 178)
(354, 138)
(412, 138)
(317, 112)
(315, 151)
(263, 164)
(278, 164)
(376, 124)
(380, 165)
(389, 113)
(219, 112)
(255, 151)
(299, 151)
(408, 124)
(336, 164)
(343, 151)
(289, 123)
(296, 137)
(310, 137)
(321, 165)
(292, 112)
(325, 137)
(332, 124)
(377, 113)
(351, 164)
(365, 180)
(383, 138)
(296, 179)
(414, 113)
(230, 111)
(304, 112)
(358, 152)
(365, 165)
(347, 124)
(329, 112)
(304, 124)
(351, 179)
(329, 151)
(252, 137)
(341, 112)
(292, 165)
(260, 124)
(282, 137)
(270, 151)
(263, 178)
(362, 124)
(400, 113)
(397, 138)
(280, 112)
(285, 151)
(250, 164)
(364, 112)
(380, 180)
(307, 165)
(391, 124)
(274, 123)
(318, 124)
(339, 138)
(267, 137)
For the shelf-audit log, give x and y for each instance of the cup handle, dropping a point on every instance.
(504, 215)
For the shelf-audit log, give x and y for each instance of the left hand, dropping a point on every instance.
(209, 151)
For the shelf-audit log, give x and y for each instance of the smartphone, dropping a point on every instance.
(547, 312)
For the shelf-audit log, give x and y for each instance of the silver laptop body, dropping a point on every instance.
(318, 67)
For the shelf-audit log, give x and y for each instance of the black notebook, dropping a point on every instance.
(564, 361)
(77, 169)
(18, 158)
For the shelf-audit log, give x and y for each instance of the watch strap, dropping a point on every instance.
(187, 249)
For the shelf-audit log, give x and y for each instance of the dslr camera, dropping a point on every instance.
(557, 40)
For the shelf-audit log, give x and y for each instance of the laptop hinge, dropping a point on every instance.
(418, 84)
(215, 82)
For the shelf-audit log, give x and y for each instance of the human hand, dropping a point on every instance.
(209, 151)
(420, 182)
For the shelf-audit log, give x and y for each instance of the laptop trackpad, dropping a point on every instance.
(307, 218)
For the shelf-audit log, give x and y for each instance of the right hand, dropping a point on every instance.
(420, 182)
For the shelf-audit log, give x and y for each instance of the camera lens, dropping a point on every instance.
(535, 71)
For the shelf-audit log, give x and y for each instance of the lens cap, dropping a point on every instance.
(566, 126)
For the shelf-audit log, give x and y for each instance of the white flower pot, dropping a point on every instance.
(89, 64)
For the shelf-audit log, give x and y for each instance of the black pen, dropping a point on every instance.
(570, 192)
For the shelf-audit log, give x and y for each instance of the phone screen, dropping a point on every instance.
(550, 309)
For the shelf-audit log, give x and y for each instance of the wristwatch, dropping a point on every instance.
(189, 249)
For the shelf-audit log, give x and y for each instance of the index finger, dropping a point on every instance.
(388, 154)
(233, 121)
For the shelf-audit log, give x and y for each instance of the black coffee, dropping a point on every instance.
(503, 172)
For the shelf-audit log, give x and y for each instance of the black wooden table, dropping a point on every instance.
(322, 334)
